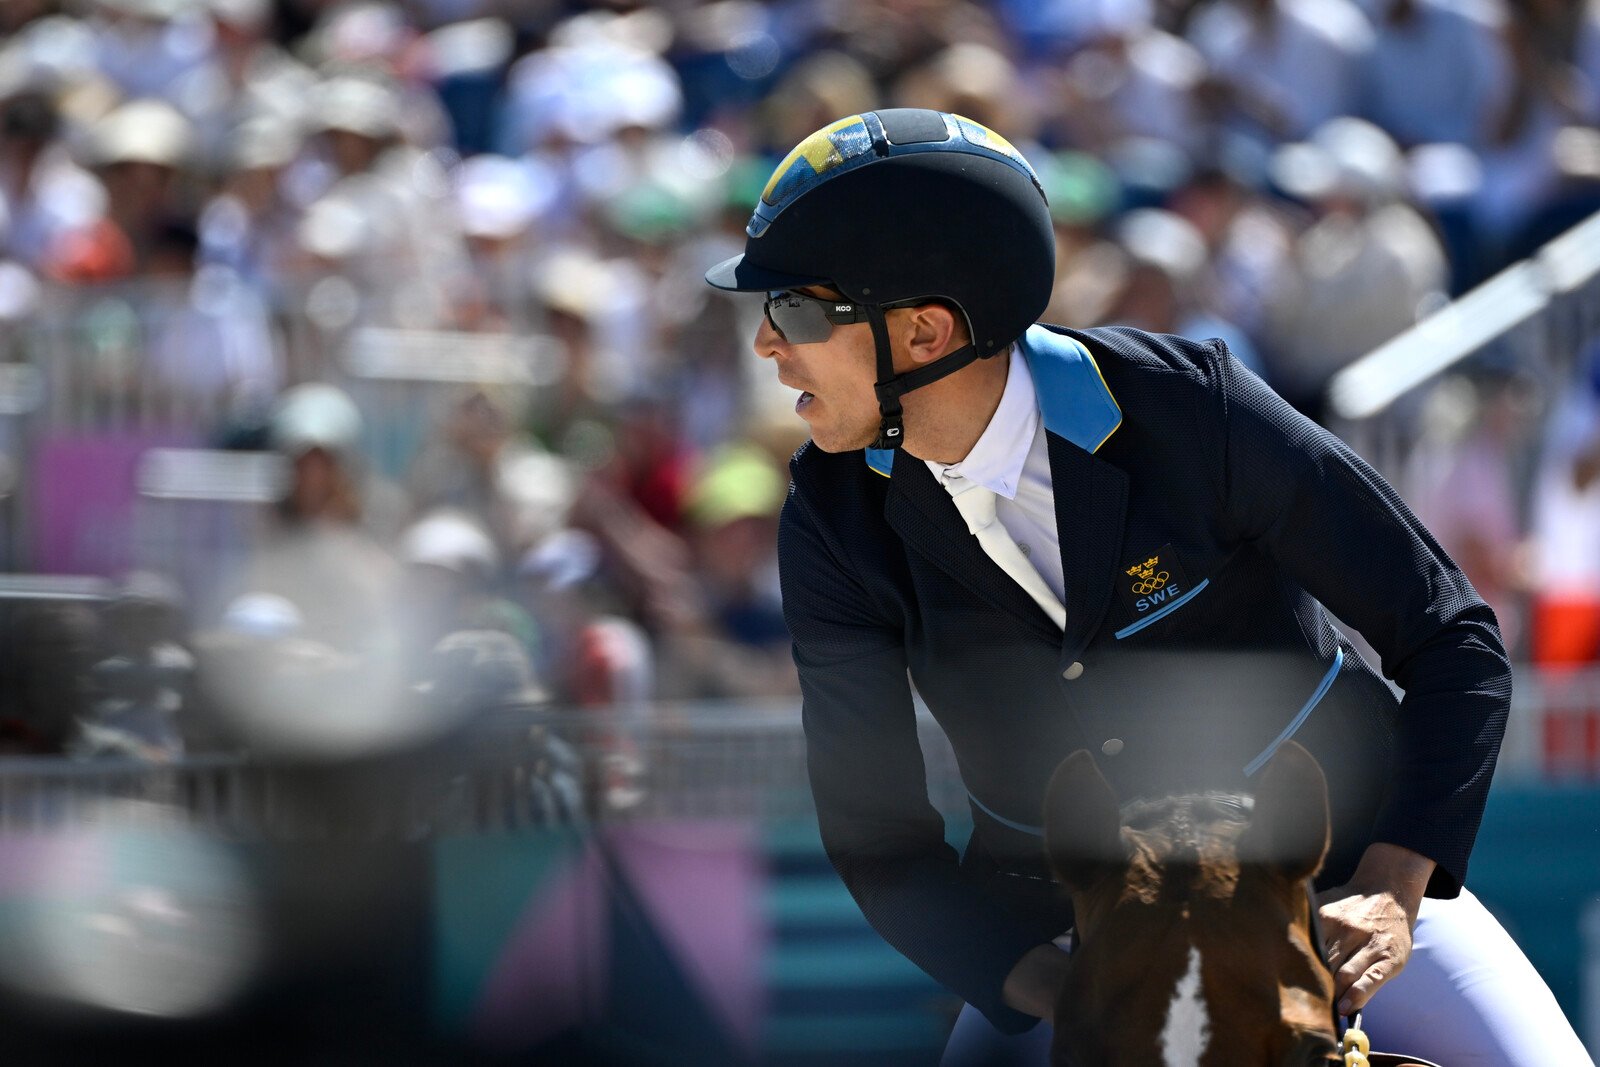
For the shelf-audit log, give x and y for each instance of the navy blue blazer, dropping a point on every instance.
(1207, 529)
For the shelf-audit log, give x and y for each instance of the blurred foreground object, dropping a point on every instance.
(133, 911)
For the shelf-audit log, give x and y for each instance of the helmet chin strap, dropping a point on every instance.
(890, 387)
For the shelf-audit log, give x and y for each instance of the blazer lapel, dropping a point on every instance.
(920, 510)
(1091, 508)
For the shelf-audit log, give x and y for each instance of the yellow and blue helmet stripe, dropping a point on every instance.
(856, 141)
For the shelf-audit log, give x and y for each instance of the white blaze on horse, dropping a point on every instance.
(1195, 945)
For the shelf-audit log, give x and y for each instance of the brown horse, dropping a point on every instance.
(1195, 940)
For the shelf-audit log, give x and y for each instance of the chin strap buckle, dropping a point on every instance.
(891, 432)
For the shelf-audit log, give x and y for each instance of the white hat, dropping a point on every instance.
(263, 142)
(1163, 240)
(335, 227)
(1346, 156)
(356, 105)
(499, 197)
(247, 14)
(141, 131)
(315, 415)
(451, 540)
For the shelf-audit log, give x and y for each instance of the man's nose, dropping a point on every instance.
(768, 340)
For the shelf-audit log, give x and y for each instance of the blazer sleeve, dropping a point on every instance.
(880, 831)
(1343, 534)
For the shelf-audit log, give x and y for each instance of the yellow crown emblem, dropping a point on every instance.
(1146, 570)
(1145, 577)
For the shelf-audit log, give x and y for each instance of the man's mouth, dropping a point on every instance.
(805, 399)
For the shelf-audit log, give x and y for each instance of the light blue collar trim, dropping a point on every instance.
(1073, 395)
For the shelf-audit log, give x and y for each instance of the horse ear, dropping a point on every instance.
(1290, 825)
(1082, 827)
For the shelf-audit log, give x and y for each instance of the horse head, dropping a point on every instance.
(1195, 944)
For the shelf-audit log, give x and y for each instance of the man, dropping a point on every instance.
(1110, 540)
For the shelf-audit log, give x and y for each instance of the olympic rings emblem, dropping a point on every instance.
(1141, 588)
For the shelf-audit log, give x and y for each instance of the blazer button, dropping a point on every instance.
(1112, 747)
(1073, 673)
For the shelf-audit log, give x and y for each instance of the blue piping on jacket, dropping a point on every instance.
(1128, 631)
(1036, 831)
(1299, 720)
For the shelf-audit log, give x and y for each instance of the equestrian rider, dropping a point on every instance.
(1110, 540)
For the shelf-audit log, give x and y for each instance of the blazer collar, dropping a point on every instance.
(1091, 495)
(921, 512)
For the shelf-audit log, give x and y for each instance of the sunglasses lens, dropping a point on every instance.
(798, 319)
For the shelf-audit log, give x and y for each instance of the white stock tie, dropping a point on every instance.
(977, 506)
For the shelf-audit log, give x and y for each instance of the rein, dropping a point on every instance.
(1355, 1047)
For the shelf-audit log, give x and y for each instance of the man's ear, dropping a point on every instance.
(931, 331)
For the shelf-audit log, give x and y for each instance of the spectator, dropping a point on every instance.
(451, 583)
(505, 205)
(1369, 267)
(1166, 258)
(244, 77)
(319, 557)
(214, 339)
(739, 647)
(1282, 68)
(44, 196)
(1566, 529)
(592, 654)
(249, 225)
(597, 659)
(140, 152)
(146, 46)
(1521, 173)
(1134, 81)
(1083, 193)
(1249, 242)
(1437, 71)
(475, 464)
(1468, 485)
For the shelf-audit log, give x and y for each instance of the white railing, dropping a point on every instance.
(1538, 315)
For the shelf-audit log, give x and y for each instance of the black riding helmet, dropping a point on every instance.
(900, 206)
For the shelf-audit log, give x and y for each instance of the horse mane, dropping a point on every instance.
(1183, 818)
(1211, 807)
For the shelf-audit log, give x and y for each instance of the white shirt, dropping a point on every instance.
(1012, 460)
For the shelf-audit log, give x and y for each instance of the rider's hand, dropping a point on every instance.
(1368, 921)
(1034, 984)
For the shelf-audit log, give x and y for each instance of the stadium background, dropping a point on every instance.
(392, 660)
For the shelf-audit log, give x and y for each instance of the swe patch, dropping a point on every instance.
(1149, 584)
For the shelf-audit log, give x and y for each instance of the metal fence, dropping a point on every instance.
(515, 769)
(523, 769)
(99, 375)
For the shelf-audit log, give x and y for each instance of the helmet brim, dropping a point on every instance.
(739, 275)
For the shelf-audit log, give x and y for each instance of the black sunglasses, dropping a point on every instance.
(804, 320)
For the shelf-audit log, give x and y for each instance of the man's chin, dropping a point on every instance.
(835, 442)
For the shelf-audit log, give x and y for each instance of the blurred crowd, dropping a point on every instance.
(265, 186)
